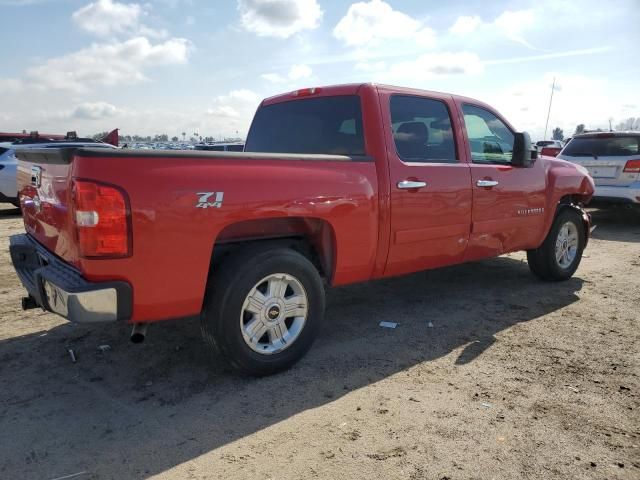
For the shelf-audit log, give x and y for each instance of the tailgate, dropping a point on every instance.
(43, 181)
(607, 171)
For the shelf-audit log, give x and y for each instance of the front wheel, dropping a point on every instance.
(560, 254)
(263, 309)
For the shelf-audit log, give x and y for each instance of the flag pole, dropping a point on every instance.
(553, 87)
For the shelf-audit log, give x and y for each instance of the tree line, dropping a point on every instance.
(162, 138)
(629, 125)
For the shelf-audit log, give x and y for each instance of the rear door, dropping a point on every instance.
(508, 202)
(430, 183)
(605, 155)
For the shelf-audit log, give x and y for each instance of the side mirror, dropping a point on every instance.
(523, 153)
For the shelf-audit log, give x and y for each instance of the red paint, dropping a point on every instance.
(352, 212)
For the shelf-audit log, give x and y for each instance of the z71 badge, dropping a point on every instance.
(205, 197)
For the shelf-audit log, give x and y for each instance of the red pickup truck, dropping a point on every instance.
(336, 185)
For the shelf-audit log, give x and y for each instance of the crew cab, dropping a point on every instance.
(336, 185)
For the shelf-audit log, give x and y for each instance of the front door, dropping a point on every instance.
(430, 184)
(508, 202)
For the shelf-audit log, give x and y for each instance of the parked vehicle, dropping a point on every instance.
(336, 185)
(549, 148)
(221, 147)
(613, 160)
(549, 143)
(8, 161)
(13, 136)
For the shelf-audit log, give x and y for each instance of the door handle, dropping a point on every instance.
(487, 183)
(409, 184)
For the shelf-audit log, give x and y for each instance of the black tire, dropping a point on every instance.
(542, 261)
(226, 293)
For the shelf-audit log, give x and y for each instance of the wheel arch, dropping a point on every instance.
(573, 202)
(312, 237)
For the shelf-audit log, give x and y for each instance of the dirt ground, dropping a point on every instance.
(490, 374)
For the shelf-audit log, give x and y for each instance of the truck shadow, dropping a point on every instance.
(134, 411)
(9, 212)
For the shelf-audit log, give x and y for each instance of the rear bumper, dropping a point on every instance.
(5, 199)
(59, 288)
(629, 194)
(8, 187)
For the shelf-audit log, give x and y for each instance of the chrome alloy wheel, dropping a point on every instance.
(566, 245)
(274, 313)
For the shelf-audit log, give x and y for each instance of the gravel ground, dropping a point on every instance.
(490, 374)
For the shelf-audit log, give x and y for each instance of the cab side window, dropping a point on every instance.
(422, 130)
(490, 140)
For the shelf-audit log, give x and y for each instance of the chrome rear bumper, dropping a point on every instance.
(57, 287)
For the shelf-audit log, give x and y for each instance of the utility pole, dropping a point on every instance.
(553, 87)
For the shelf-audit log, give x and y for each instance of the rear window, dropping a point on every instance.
(325, 125)
(603, 147)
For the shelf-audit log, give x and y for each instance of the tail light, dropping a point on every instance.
(550, 151)
(101, 214)
(632, 166)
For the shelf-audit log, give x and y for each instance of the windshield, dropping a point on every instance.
(603, 147)
(325, 125)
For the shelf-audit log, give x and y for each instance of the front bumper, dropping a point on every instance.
(629, 194)
(57, 287)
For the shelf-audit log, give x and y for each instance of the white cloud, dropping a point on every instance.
(242, 95)
(371, 66)
(526, 103)
(510, 24)
(296, 72)
(107, 18)
(433, 64)
(279, 18)
(94, 111)
(465, 25)
(108, 64)
(10, 85)
(273, 77)
(514, 23)
(426, 66)
(231, 112)
(371, 23)
(223, 111)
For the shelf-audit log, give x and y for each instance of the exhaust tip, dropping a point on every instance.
(137, 338)
(28, 303)
(139, 332)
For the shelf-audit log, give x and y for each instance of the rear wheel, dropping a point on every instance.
(263, 309)
(560, 254)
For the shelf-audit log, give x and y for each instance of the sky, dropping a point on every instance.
(196, 66)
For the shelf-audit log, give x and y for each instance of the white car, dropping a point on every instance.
(549, 143)
(8, 161)
(8, 193)
(613, 161)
